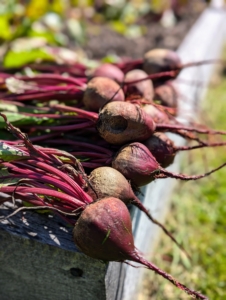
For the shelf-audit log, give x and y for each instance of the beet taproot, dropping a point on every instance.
(99, 91)
(144, 88)
(104, 231)
(161, 60)
(167, 95)
(124, 122)
(110, 71)
(139, 165)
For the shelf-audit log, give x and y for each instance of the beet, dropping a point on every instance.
(157, 115)
(167, 95)
(162, 148)
(144, 88)
(124, 122)
(138, 164)
(110, 71)
(161, 60)
(104, 231)
(99, 91)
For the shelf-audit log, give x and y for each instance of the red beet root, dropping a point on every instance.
(143, 88)
(167, 95)
(110, 71)
(161, 60)
(157, 115)
(137, 164)
(99, 91)
(104, 231)
(162, 148)
(124, 122)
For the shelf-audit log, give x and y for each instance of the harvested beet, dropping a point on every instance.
(162, 148)
(167, 95)
(99, 91)
(138, 164)
(110, 71)
(161, 60)
(104, 231)
(157, 115)
(144, 88)
(124, 122)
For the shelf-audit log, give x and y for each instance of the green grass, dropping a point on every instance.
(198, 219)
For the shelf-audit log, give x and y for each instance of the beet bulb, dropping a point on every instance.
(161, 60)
(104, 231)
(164, 149)
(124, 122)
(99, 91)
(167, 95)
(144, 88)
(109, 71)
(138, 164)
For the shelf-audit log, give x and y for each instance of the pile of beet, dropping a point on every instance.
(81, 143)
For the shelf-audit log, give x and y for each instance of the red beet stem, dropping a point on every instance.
(82, 113)
(137, 258)
(82, 125)
(45, 179)
(188, 128)
(43, 191)
(47, 95)
(153, 76)
(55, 77)
(82, 144)
(173, 73)
(185, 177)
(139, 204)
(85, 197)
(185, 148)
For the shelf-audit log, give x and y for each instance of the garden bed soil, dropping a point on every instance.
(102, 40)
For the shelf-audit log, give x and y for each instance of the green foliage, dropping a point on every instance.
(9, 153)
(18, 59)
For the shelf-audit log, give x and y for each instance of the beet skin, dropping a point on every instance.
(104, 230)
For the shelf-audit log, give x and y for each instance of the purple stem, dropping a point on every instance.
(54, 77)
(48, 95)
(83, 113)
(137, 258)
(64, 128)
(185, 177)
(84, 196)
(181, 127)
(82, 144)
(45, 179)
(42, 191)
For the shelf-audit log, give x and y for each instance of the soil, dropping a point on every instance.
(101, 40)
